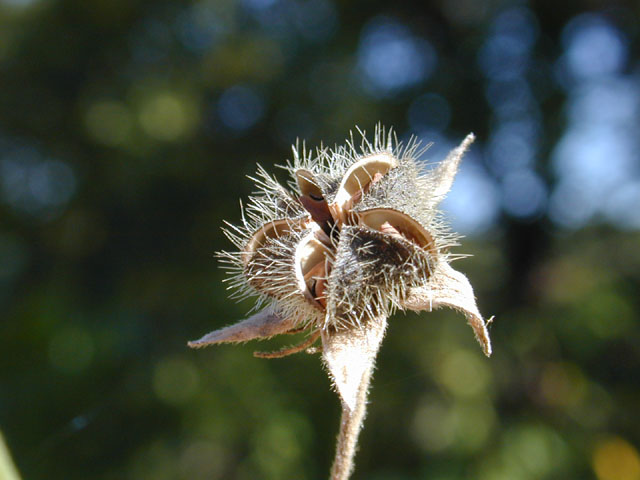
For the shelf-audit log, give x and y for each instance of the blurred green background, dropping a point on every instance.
(127, 128)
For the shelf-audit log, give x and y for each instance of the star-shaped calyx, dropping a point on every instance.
(359, 237)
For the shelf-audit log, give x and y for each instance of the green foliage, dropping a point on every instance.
(126, 130)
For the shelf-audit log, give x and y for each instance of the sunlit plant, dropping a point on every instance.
(356, 236)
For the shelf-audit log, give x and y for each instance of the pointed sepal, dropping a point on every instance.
(449, 288)
(263, 324)
(444, 174)
(349, 354)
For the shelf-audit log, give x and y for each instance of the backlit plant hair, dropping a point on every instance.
(355, 236)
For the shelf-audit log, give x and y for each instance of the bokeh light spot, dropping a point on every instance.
(512, 146)
(622, 206)
(240, 107)
(168, 116)
(463, 425)
(279, 445)
(598, 156)
(592, 161)
(536, 450)
(431, 428)
(505, 54)
(524, 194)
(570, 206)
(605, 101)
(502, 59)
(463, 373)
(519, 24)
(33, 184)
(473, 203)
(594, 47)
(391, 58)
(616, 459)
(474, 422)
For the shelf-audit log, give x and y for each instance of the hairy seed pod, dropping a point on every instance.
(356, 236)
(351, 240)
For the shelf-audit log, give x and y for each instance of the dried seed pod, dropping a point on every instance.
(359, 236)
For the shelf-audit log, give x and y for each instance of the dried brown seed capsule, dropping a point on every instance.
(359, 237)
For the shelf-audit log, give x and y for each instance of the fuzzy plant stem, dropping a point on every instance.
(350, 426)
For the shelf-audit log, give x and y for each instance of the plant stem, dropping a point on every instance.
(350, 426)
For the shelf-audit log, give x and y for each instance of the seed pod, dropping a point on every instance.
(359, 236)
